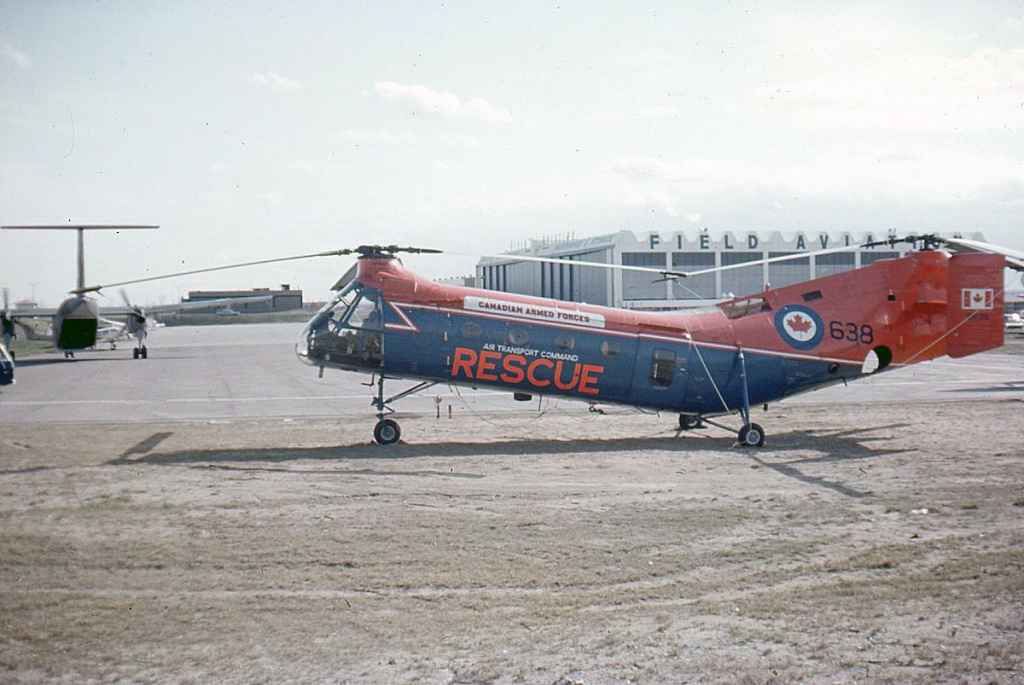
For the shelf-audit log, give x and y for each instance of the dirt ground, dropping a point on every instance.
(875, 543)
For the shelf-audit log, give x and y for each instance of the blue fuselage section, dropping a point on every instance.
(598, 365)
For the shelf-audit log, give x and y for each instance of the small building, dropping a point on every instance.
(282, 299)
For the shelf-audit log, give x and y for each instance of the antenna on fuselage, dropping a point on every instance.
(80, 282)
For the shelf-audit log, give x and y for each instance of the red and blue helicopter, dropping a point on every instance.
(945, 297)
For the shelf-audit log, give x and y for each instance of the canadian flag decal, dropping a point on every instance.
(977, 298)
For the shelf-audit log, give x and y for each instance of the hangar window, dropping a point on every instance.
(663, 366)
(471, 329)
(610, 348)
(565, 342)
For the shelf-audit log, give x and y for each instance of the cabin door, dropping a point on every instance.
(660, 374)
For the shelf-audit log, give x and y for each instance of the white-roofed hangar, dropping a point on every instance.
(679, 251)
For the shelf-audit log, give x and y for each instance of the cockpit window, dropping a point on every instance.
(364, 314)
(347, 333)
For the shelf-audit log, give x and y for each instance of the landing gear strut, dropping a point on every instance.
(387, 431)
(751, 434)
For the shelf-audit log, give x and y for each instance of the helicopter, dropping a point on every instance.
(943, 298)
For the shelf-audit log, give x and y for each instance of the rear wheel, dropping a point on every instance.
(386, 432)
(688, 422)
(751, 436)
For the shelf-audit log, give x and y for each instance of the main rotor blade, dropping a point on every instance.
(239, 265)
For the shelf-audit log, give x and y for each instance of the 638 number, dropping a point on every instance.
(840, 330)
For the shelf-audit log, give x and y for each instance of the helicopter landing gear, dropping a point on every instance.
(689, 422)
(387, 431)
(751, 435)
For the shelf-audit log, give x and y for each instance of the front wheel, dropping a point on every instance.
(386, 432)
(751, 436)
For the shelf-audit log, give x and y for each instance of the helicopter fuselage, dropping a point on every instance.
(747, 351)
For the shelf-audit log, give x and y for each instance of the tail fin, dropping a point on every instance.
(975, 303)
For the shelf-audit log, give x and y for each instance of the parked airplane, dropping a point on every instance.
(387, 321)
(74, 325)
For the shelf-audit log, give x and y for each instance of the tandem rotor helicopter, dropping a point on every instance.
(75, 324)
(945, 297)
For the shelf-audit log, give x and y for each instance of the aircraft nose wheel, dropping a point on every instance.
(751, 435)
(386, 432)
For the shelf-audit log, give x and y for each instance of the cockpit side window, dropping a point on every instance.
(364, 313)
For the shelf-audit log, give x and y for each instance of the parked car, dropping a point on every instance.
(1014, 322)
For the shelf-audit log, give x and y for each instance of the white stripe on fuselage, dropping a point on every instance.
(624, 334)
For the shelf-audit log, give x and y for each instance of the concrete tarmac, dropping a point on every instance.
(250, 371)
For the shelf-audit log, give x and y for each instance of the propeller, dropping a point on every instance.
(139, 312)
(364, 252)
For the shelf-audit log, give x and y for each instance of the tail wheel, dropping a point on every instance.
(751, 436)
(386, 432)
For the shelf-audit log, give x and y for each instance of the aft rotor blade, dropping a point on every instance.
(978, 246)
(772, 260)
(668, 273)
(239, 265)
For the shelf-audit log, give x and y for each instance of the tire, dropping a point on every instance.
(751, 436)
(145, 352)
(688, 422)
(135, 353)
(386, 432)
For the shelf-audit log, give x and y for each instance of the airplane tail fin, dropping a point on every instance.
(975, 303)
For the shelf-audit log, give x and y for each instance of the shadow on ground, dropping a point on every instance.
(837, 446)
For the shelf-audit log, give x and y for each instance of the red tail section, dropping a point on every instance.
(975, 303)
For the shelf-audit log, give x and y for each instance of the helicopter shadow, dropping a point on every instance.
(37, 361)
(840, 446)
(1004, 386)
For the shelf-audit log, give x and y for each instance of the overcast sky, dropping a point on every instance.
(254, 129)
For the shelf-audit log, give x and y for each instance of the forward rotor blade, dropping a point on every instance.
(239, 265)
(573, 262)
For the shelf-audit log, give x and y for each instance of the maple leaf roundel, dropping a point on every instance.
(799, 326)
